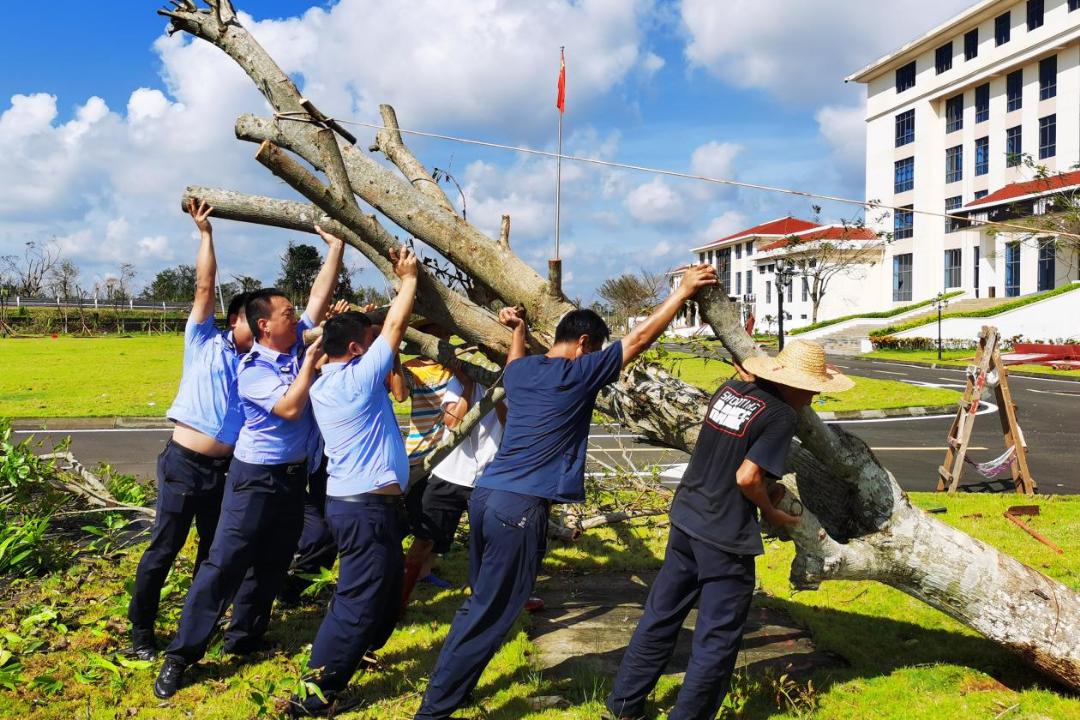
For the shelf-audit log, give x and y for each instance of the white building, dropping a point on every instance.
(746, 263)
(949, 116)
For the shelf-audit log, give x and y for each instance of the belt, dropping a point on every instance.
(205, 460)
(368, 498)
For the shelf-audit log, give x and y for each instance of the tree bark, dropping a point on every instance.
(856, 521)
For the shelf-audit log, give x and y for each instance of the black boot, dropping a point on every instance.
(143, 644)
(169, 679)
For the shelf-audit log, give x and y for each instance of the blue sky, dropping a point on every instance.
(103, 121)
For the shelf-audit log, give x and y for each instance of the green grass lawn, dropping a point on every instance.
(138, 375)
(960, 358)
(93, 377)
(903, 660)
(868, 393)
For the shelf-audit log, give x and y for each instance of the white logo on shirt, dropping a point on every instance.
(732, 412)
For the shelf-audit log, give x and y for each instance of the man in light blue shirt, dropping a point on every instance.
(262, 512)
(368, 472)
(191, 468)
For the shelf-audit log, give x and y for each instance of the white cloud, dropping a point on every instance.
(723, 225)
(106, 183)
(801, 51)
(655, 202)
(844, 129)
(714, 159)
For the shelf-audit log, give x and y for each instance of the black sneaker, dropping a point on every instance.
(168, 680)
(143, 644)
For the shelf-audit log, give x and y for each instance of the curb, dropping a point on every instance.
(888, 413)
(946, 366)
(91, 423)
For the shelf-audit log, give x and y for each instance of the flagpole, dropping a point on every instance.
(558, 172)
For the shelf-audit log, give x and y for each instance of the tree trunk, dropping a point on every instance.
(856, 521)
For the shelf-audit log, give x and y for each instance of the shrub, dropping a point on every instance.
(27, 505)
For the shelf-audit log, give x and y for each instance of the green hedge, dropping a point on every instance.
(986, 312)
(881, 314)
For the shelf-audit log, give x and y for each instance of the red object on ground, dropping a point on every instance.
(1065, 356)
(534, 604)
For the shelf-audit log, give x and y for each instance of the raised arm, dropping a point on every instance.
(322, 290)
(515, 320)
(399, 390)
(645, 333)
(397, 317)
(202, 308)
(292, 403)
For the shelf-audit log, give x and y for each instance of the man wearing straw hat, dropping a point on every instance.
(715, 534)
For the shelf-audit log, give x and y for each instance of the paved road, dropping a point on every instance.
(912, 448)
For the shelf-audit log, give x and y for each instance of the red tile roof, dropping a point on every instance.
(1037, 186)
(773, 228)
(824, 232)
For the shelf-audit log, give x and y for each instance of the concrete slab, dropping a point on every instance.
(589, 620)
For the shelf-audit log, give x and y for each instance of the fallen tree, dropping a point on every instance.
(856, 523)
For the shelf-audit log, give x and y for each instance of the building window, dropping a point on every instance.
(1012, 269)
(954, 114)
(953, 224)
(952, 268)
(901, 287)
(954, 164)
(701, 258)
(1034, 14)
(738, 251)
(768, 292)
(905, 128)
(971, 44)
(805, 288)
(1014, 90)
(982, 156)
(982, 103)
(943, 58)
(738, 283)
(1013, 146)
(981, 193)
(905, 77)
(1048, 77)
(1073, 5)
(975, 269)
(1047, 137)
(1002, 26)
(711, 257)
(749, 248)
(790, 289)
(723, 269)
(1047, 264)
(903, 223)
(904, 175)
(749, 282)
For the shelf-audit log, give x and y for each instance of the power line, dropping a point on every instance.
(868, 204)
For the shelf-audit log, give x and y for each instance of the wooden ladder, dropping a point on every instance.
(987, 361)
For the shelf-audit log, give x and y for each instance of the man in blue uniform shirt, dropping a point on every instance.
(541, 460)
(368, 471)
(262, 512)
(715, 534)
(207, 417)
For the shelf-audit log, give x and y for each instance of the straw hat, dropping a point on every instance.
(800, 364)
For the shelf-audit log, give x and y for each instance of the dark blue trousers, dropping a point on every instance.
(190, 486)
(364, 609)
(261, 519)
(316, 549)
(722, 585)
(507, 540)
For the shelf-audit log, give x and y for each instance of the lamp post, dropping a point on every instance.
(940, 303)
(784, 274)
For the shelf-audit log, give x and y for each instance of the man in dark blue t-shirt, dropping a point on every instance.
(541, 460)
(715, 534)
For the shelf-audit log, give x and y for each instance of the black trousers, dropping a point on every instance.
(261, 519)
(190, 486)
(722, 585)
(507, 540)
(364, 609)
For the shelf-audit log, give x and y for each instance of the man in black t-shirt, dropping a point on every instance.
(715, 534)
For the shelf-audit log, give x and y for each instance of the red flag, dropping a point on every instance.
(560, 101)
